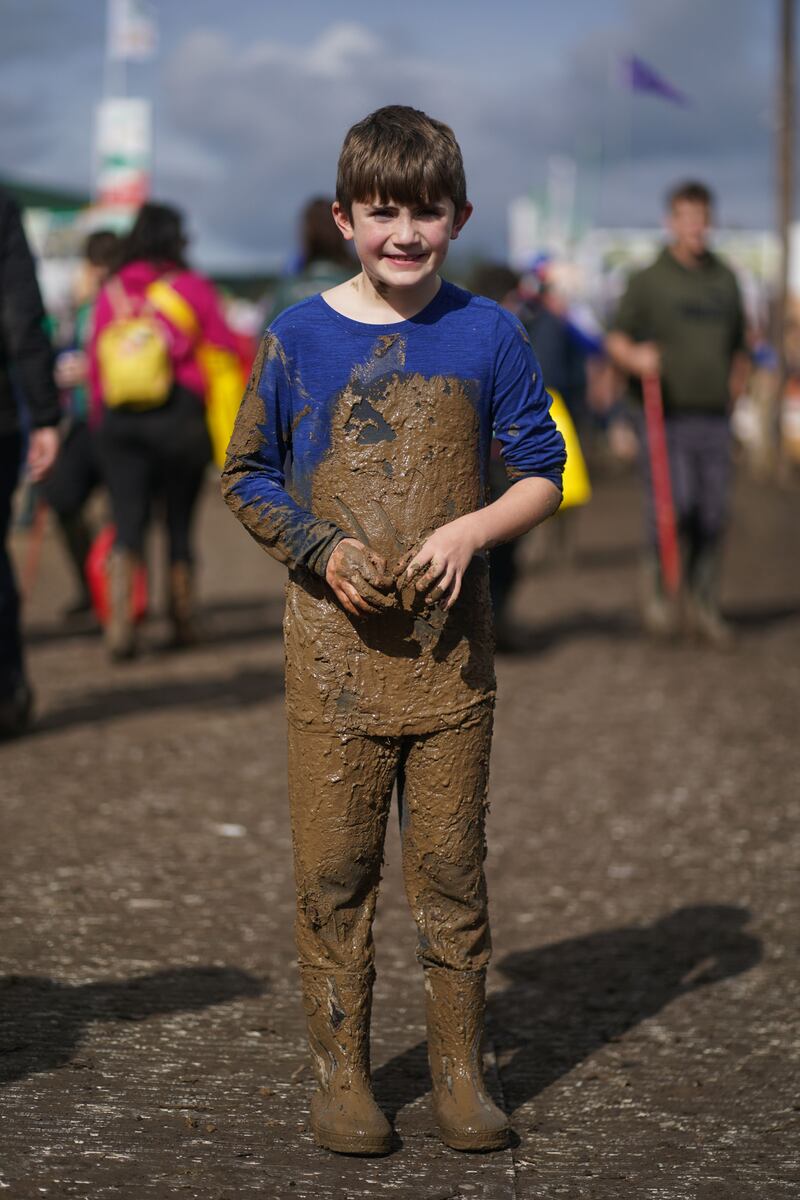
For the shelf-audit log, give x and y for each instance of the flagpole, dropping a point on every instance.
(626, 133)
(115, 80)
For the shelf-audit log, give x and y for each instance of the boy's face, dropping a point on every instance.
(401, 245)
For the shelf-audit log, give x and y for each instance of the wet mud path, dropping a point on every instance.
(642, 874)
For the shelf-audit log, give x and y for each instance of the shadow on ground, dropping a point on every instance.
(624, 624)
(224, 622)
(565, 1001)
(42, 1021)
(243, 689)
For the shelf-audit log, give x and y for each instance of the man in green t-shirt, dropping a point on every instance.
(682, 319)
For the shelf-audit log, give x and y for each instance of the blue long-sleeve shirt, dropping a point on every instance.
(382, 432)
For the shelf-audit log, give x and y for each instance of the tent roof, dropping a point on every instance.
(36, 195)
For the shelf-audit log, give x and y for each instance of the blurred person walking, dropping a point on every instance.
(543, 311)
(77, 471)
(325, 260)
(26, 371)
(562, 366)
(681, 320)
(148, 382)
(498, 282)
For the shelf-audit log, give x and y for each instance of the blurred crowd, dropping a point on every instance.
(120, 428)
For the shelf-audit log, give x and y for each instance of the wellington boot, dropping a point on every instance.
(703, 617)
(706, 623)
(181, 612)
(660, 612)
(120, 631)
(344, 1115)
(467, 1117)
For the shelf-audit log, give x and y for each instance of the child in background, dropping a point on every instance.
(383, 392)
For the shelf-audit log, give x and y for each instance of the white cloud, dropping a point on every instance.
(248, 127)
(251, 133)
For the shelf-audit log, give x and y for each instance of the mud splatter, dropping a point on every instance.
(301, 416)
(340, 791)
(404, 458)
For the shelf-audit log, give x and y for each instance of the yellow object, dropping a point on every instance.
(133, 356)
(576, 483)
(222, 370)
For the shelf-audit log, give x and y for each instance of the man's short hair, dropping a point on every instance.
(400, 154)
(692, 191)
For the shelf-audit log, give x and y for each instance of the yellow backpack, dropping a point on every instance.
(133, 354)
(222, 371)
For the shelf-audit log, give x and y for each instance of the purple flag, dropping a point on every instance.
(640, 77)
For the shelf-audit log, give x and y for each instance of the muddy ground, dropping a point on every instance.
(643, 881)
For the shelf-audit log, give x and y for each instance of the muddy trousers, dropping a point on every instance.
(340, 788)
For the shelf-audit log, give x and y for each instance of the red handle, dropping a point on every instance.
(666, 528)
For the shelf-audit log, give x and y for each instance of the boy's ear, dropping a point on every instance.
(460, 220)
(343, 222)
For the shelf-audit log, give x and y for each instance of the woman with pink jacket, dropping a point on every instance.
(155, 458)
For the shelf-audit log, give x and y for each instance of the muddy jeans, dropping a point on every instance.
(340, 789)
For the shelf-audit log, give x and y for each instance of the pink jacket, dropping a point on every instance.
(136, 277)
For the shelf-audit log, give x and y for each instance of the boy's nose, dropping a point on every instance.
(404, 229)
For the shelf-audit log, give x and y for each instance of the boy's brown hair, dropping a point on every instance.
(400, 154)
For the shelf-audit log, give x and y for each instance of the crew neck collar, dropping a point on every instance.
(420, 318)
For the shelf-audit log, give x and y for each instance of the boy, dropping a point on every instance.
(682, 319)
(384, 390)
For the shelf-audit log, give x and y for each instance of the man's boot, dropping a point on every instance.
(120, 631)
(344, 1115)
(467, 1117)
(660, 615)
(181, 609)
(704, 618)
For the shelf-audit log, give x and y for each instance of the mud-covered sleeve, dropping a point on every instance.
(529, 439)
(253, 478)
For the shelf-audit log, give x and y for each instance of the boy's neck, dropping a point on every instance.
(373, 303)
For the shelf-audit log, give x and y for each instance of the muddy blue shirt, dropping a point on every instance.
(382, 433)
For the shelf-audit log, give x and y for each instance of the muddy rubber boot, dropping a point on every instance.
(704, 619)
(344, 1115)
(120, 631)
(660, 612)
(181, 610)
(467, 1117)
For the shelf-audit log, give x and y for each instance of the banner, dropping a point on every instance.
(124, 151)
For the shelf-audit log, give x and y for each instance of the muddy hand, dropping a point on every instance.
(436, 568)
(359, 578)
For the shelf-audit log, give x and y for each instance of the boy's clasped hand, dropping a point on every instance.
(364, 583)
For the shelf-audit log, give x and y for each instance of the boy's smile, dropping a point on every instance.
(400, 246)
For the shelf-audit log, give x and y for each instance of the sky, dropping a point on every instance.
(253, 97)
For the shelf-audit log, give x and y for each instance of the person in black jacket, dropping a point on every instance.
(26, 376)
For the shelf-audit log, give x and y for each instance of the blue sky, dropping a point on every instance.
(253, 98)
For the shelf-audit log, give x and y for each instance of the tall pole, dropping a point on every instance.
(786, 123)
